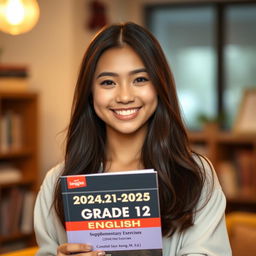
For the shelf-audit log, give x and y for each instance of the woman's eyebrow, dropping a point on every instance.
(106, 74)
(135, 71)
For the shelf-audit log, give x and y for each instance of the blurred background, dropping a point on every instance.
(211, 49)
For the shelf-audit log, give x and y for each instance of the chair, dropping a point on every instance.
(241, 228)
(25, 252)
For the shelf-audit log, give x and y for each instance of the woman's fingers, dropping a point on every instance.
(78, 249)
(92, 253)
(71, 248)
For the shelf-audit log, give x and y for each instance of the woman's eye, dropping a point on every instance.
(107, 82)
(141, 79)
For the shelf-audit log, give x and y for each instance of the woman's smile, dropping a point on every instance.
(126, 113)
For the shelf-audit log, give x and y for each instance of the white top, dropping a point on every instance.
(208, 236)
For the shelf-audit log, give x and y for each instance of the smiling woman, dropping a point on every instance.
(126, 116)
(124, 98)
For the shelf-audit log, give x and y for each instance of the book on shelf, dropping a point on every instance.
(245, 164)
(115, 212)
(228, 178)
(26, 224)
(4, 213)
(11, 205)
(4, 133)
(10, 131)
(16, 211)
(237, 175)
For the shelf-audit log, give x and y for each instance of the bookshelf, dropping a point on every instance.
(18, 168)
(234, 159)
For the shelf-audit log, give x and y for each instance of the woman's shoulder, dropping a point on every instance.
(208, 171)
(211, 191)
(53, 174)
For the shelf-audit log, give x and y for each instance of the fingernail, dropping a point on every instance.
(101, 253)
(88, 247)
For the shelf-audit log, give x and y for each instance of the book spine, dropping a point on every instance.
(27, 213)
(16, 212)
(11, 132)
(4, 146)
(16, 132)
(228, 178)
(245, 166)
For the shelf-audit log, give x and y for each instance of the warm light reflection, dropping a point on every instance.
(18, 16)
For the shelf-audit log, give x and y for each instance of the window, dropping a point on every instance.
(211, 49)
(239, 55)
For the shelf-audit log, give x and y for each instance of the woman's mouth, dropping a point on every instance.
(126, 113)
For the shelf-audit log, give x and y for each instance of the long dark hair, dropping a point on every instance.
(166, 147)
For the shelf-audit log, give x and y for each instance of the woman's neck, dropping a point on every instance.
(124, 150)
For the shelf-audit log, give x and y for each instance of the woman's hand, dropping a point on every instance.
(78, 249)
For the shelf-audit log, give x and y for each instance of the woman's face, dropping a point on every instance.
(123, 95)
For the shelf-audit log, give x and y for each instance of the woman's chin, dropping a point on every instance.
(127, 130)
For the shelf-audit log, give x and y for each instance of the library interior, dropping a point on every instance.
(210, 46)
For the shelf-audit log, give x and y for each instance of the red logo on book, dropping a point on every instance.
(76, 182)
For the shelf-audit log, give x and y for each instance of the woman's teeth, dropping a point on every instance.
(126, 112)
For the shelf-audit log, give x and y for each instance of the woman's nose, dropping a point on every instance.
(125, 94)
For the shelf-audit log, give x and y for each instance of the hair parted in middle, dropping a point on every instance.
(166, 147)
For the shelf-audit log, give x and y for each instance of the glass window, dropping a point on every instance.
(187, 37)
(240, 56)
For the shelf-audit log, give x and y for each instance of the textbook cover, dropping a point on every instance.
(116, 212)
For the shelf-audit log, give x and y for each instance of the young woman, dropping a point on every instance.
(126, 116)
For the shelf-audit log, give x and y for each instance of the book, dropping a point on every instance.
(4, 133)
(116, 212)
(4, 216)
(16, 131)
(228, 178)
(245, 161)
(237, 175)
(26, 225)
(15, 208)
(11, 132)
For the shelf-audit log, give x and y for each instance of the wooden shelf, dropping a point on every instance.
(16, 197)
(25, 152)
(227, 148)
